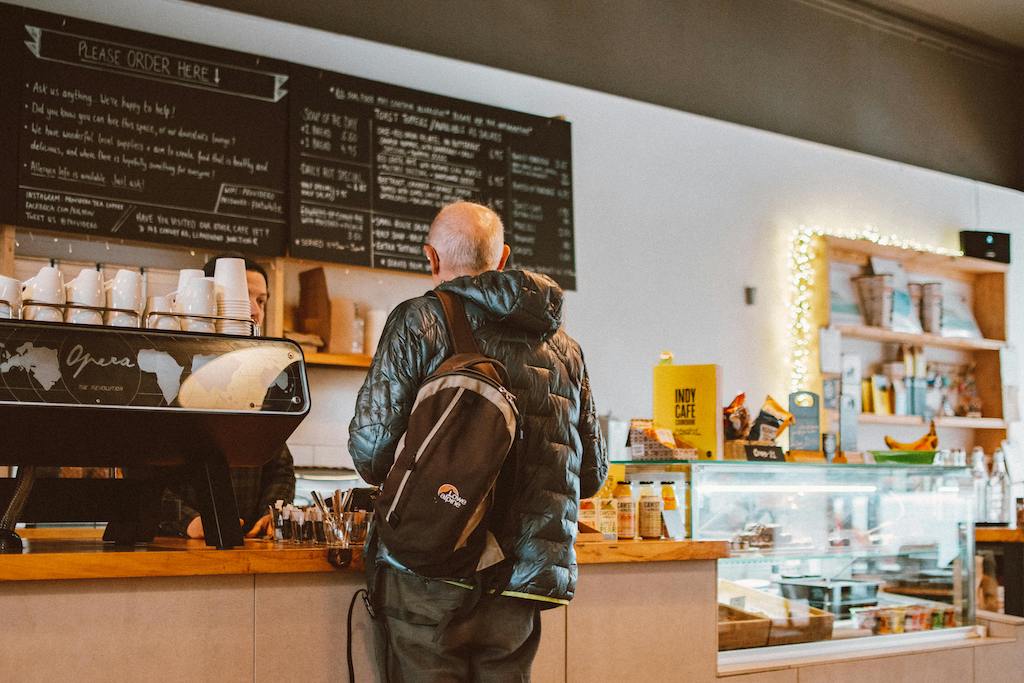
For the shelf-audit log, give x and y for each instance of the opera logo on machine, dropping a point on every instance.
(449, 494)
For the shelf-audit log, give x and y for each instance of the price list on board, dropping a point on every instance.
(372, 163)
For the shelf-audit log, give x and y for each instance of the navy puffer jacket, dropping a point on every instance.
(516, 318)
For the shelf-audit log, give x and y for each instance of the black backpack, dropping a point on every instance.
(445, 502)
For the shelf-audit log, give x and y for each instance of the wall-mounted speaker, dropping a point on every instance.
(994, 246)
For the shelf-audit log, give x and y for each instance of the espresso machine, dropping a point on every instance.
(157, 405)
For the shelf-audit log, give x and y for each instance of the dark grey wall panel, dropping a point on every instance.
(831, 71)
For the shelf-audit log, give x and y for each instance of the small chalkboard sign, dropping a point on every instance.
(757, 453)
(806, 432)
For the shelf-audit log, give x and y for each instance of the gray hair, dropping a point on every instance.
(468, 237)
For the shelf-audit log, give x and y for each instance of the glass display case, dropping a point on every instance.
(823, 552)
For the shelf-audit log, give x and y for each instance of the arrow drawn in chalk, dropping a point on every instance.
(36, 34)
(123, 218)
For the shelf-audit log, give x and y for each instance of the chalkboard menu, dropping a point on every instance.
(371, 163)
(114, 133)
(126, 134)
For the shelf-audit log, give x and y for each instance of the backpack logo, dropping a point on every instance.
(449, 494)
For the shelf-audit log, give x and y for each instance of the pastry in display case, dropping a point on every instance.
(828, 553)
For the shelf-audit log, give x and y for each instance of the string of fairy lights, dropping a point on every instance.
(802, 254)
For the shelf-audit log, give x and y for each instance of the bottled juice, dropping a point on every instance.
(668, 502)
(588, 512)
(608, 517)
(607, 512)
(999, 496)
(650, 511)
(686, 510)
(626, 510)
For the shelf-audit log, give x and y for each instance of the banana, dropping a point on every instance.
(928, 442)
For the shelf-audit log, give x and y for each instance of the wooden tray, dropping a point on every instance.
(791, 621)
(736, 449)
(738, 629)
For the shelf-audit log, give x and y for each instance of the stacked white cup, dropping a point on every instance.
(46, 289)
(124, 292)
(186, 274)
(232, 296)
(196, 296)
(85, 290)
(10, 297)
(157, 314)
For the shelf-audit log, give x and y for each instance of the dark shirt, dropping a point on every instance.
(255, 489)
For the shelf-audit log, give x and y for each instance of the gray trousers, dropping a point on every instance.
(496, 642)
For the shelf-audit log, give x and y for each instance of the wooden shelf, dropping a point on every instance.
(920, 591)
(860, 250)
(879, 334)
(970, 422)
(986, 282)
(339, 360)
(895, 420)
(940, 422)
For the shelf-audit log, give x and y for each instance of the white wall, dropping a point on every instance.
(675, 213)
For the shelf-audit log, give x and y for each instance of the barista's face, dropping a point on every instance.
(257, 296)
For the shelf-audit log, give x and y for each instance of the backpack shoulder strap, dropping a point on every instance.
(458, 324)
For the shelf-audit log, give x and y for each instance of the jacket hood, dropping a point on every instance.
(519, 298)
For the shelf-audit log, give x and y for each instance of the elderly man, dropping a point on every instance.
(516, 319)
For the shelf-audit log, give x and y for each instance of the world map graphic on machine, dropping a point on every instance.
(79, 365)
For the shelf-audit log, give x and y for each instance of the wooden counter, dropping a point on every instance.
(1007, 545)
(92, 559)
(80, 554)
(992, 534)
(607, 552)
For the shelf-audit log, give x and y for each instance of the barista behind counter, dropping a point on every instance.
(255, 487)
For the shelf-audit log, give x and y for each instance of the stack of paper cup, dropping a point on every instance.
(931, 307)
(876, 295)
(915, 290)
(232, 296)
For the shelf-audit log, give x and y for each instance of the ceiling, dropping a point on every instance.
(1000, 21)
(888, 78)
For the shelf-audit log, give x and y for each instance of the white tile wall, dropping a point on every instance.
(333, 390)
(302, 454)
(322, 438)
(331, 456)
